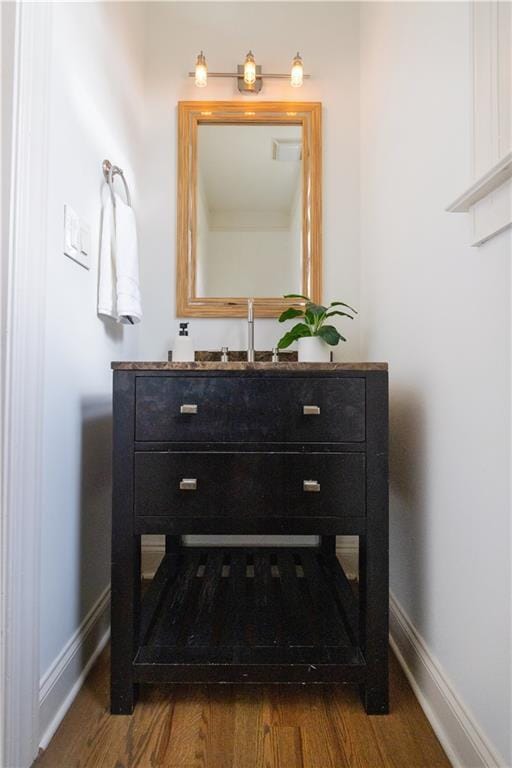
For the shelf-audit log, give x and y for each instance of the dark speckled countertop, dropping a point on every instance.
(163, 365)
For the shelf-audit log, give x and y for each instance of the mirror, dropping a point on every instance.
(248, 206)
(249, 210)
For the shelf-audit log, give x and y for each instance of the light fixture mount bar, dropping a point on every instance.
(270, 76)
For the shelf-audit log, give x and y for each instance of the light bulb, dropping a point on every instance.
(297, 73)
(201, 71)
(249, 69)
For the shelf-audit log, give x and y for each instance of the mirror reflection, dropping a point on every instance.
(248, 210)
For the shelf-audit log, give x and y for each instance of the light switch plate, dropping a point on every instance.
(76, 237)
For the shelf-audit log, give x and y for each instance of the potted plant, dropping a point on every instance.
(313, 334)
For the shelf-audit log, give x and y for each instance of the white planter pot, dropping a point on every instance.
(312, 349)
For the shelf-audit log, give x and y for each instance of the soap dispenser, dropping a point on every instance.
(183, 350)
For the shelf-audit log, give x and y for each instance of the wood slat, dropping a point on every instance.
(348, 601)
(326, 612)
(234, 630)
(155, 593)
(267, 608)
(167, 625)
(201, 627)
(299, 628)
(223, 606)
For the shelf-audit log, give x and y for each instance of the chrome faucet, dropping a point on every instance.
(250, 330)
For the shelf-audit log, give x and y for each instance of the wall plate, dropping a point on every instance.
(76, 238)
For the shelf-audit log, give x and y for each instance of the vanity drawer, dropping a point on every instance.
(244, 409)
(250, 484)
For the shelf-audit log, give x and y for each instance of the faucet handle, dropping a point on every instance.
(275, 354)
(224, 355)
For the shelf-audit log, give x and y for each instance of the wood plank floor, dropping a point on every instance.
(243, 727)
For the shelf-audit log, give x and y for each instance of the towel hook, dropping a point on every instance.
(109, 171)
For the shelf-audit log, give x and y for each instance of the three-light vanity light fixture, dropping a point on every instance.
(249, 74)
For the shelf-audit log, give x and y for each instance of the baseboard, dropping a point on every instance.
(346, 549)
(455, 727)
(151, 555)
(64, 678)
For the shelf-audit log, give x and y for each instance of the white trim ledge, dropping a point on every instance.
(483, 186)
(489, 202)
(454, 725)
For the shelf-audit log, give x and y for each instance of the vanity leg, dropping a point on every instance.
(373, 632)
(374, 553)
(125, 618)
(125, 594)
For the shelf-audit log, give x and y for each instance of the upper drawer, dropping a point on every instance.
(244, 409)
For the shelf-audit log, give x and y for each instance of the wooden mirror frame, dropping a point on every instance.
(190, 115)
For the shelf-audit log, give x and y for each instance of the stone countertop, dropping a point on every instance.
(245, 366)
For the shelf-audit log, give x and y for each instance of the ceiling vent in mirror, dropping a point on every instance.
(286, 150)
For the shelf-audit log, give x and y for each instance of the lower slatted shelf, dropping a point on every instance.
(249, 615)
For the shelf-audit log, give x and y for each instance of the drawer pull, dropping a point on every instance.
(188, 484)
(188, 408)
(311, 410)
(311, 486)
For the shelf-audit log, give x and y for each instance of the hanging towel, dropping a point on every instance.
(107, 303)
(118, 288)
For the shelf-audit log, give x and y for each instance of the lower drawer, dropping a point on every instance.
(242, 485)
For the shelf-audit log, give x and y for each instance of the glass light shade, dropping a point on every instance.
(201, 71)
(250, 69)
(297, 73)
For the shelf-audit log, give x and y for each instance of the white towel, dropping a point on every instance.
(118, 287)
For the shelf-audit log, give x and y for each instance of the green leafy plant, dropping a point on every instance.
(314, 322)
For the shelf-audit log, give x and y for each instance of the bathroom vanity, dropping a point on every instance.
(250, 448)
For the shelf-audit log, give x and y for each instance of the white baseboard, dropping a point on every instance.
(346, 548)
(152, 551)
(65, 676)
(455, 727)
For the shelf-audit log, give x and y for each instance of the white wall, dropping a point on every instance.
(231, 258)
(327, 36)
(93, 112)
(439, 311)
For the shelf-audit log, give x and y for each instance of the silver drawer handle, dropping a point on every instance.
(188, 484)
(311, 410)
(188, 408)
(311, 486)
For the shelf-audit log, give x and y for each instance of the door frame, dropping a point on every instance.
(22, 383)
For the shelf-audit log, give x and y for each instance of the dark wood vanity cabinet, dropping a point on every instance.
(242, 449)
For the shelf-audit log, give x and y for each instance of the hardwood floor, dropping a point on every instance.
(243, 727)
